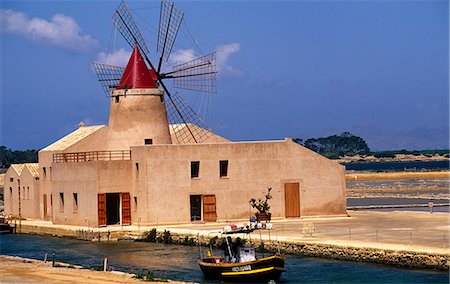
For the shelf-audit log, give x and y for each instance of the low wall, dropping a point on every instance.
(406, 259)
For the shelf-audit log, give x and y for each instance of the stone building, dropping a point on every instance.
(133, 172)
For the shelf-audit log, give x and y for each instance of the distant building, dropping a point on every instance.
(134, 172)
(21, 190)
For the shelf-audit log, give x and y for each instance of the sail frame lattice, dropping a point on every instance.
(108, 75)
(199, 74)
(185, 124)
(125, 24)
(170, 20)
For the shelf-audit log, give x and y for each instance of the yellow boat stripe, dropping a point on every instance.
(247, 272)
(239, 263)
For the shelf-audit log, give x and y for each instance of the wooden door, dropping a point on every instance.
(44, 199)
(101, 209)
(209, 208)
(126, 208)
(292, 199)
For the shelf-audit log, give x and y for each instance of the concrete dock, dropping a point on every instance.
(400, 238)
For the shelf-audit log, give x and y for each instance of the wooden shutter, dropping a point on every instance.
(101, 209)
(44, 199)
(292, 199)
(209, 208)
(126, 208)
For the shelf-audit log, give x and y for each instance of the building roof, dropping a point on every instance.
(181, 127)
(33, 167)
(72, 138)
(18, 168)
(136, 74)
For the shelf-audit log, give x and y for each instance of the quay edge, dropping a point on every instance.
(399, 258)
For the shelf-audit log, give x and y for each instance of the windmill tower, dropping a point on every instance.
(137, 113)
(143, 107)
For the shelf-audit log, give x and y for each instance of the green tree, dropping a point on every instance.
(337, 145)
(8, 157)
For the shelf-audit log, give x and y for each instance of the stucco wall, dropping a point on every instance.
(253, 166)
(29, 194)
(86, 179)
(45, 184)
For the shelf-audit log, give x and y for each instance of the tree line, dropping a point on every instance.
(8, 156)
(347, 144)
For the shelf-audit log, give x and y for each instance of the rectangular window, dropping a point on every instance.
(223, 168)
(135, 203)
(75, 202)
(148, 141)
(61, 202)
(11, 179)
(195, 168)
(44, 170)
(24, 194)
(28, 192)
(10, 192)
(137, 167)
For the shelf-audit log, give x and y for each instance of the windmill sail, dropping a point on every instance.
(108, 75)
(170, 19)
(185, 125)
(125, 24)
(196, 75)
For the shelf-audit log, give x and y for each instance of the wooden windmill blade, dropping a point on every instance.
(108, 75)
(185, 125)
(170, 19)
(125, 24)
(198, 74)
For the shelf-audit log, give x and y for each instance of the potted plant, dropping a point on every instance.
(262, 206)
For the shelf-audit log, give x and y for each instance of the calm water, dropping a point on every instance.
(178, 262)
(399, 166)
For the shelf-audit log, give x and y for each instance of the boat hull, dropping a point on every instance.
(268, 268)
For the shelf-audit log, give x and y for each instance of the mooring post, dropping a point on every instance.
(105, 264)
(108, 235)
(99, 235)
(53, 259)
(45, 257)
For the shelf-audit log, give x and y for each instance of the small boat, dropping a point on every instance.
(5, 228)
(241, 264)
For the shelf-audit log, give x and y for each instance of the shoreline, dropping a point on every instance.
(398, 158)
(14, 269)
(396, 175)
(354, 247)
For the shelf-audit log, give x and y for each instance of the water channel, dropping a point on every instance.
(179, 262)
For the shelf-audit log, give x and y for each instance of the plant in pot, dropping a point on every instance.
(262, 206)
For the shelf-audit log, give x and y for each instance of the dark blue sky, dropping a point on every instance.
(379, 69)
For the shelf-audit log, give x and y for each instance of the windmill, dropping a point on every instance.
(197, 75)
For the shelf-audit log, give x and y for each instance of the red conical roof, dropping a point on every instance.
(136, 74)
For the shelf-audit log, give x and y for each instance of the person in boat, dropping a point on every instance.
(224, 245)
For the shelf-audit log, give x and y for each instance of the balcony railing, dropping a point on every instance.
(119, 155)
